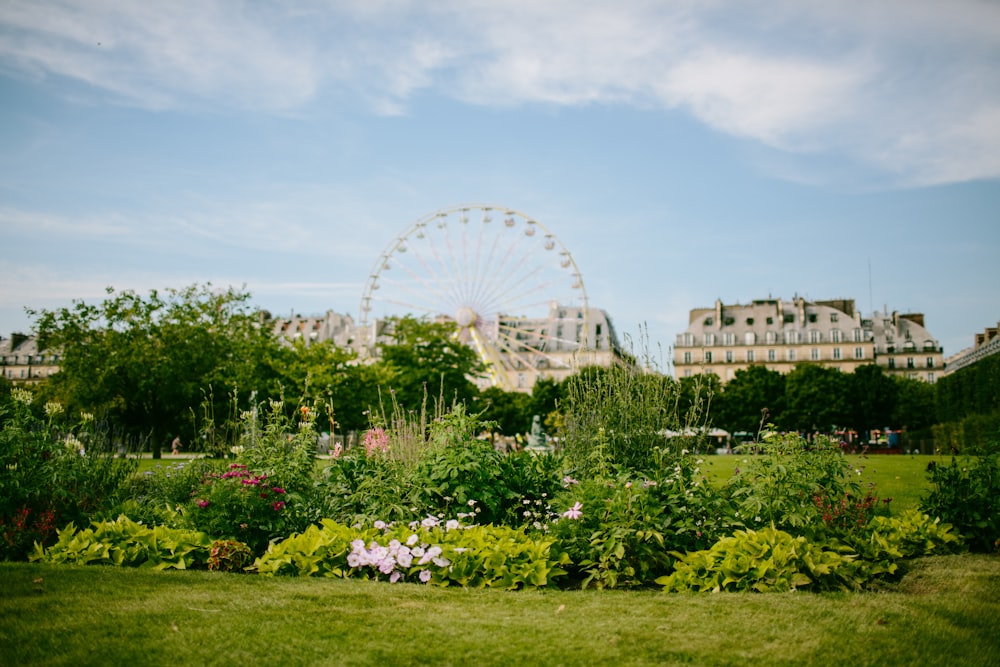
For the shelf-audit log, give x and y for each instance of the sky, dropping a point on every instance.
(682, 151)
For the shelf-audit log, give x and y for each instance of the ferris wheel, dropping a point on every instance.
(509, 287)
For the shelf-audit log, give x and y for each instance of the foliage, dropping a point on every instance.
(815, 399)
(912, 534)
(618, 530)
(966, 494)
(620, 415)
(425, 356)
(791, 481)
(52, 473)
(229, 556)
(473, 557)
(244, 505)
(357, 488)
(973, 390)
(746, 396)
(124, 542)
(156, 496)
(764, 561)
(142, 362)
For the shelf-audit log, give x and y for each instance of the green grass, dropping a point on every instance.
(903, 478)
(943, 612)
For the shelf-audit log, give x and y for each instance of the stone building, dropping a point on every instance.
(780, 334)
(985, 344)
(22, 362)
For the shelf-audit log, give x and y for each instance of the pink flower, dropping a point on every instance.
(376, 442)
(574, 512)
(278, 506)
(202, 503)
(425, 576)
(278, 490)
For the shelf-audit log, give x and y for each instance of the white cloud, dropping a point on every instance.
(909, 87)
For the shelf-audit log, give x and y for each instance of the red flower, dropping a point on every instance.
(278, 506)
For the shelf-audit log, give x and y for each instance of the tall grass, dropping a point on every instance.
(629, 415)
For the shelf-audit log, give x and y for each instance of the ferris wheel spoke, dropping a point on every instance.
(429, 286)
(523, 352)
(560, 342)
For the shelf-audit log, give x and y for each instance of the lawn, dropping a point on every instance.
(943, 612)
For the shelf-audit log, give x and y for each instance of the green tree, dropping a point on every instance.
(143, 362)
(507, 408)
(745, 398)
(914, 405)
(814, 399)
(871, 399)
(427, 360)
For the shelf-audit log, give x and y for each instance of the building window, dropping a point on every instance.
(687, 372)
(688, 340)
(727, 339)
(750, 355)
(833, 317)
(749, 338)
(835, 335)
(769, 337)
(771, 355)
(687, 357)
(814, 354)
(892, 362)
(930, 378)
(814, 336)
(729, 356)
(708, 356)
(859, 353)
(857, 335)
(930, 362)
(836, 353)
(792, 337)
(708, 321)
(709, 339)
(791, 354)
(909, 362)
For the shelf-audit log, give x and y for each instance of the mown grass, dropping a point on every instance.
(943, 612)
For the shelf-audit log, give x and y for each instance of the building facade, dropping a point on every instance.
(22, 362)
(986, 344)
(780, 334)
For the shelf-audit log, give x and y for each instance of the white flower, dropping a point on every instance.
(451, 525)
(429, 522)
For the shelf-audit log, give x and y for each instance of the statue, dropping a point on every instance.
(537, 440)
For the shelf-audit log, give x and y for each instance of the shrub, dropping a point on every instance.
(52, 474)
(244, 505)
(427, 552)
(768, 560)
(229, 556)
(124, 542)
(966, 494)
(791, 482)
(157, 496)
(358, 488)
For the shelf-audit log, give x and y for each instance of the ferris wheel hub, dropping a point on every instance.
(465, 317)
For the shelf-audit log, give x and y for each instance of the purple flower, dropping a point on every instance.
(278, 490)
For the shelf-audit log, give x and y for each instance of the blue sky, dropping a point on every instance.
(682, 151)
